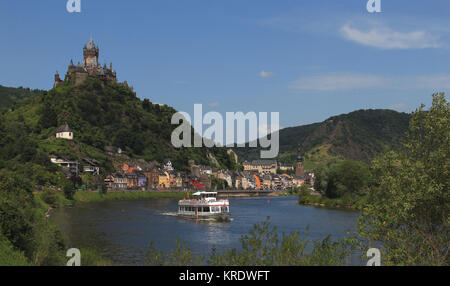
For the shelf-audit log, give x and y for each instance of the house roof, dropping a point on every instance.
(91, 162)
(261, 162)
(64, 128)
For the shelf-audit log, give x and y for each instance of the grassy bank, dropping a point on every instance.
(10, 256)
(95, 196)
(347, 202)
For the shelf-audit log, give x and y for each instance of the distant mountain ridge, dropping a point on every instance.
(358, 135)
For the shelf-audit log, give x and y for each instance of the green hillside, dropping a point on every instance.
(359, 135)
(10, 95)
(102, 118)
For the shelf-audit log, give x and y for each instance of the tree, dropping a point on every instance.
(16, 211)
(68, 190)
(347, 177)
(342, 178)
(48, 116)
(104, 189)
(408, 206)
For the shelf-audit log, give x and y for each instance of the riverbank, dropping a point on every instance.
(95, 196)
(348, 203)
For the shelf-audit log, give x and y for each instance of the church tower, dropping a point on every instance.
(299, 172)
(90, 53)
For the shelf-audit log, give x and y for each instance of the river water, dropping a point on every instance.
(123, 230)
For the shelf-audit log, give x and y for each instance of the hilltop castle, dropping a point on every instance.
(89, 67)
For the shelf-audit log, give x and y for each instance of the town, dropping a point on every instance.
(138, 174)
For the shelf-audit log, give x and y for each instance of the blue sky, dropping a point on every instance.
(309, 60)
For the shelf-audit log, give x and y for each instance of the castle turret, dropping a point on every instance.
(90, 53)
(57, 79)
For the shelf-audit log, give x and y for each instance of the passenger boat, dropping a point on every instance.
(204, 205)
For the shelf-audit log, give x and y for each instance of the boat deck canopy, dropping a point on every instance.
(204, 193)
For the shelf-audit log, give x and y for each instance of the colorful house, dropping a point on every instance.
(164, 180)
(130, 168)
(132, 180)
(141, 180)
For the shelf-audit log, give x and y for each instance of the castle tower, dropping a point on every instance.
(71, 68)
(299, 172)
(90, 53)
(89, 67)
(57, 79)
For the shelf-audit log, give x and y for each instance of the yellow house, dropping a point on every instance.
(164, 180)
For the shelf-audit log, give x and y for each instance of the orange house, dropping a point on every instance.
(129, 168)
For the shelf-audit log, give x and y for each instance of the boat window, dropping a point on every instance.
(206, 209)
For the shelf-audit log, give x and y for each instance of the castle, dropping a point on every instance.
(89, 67)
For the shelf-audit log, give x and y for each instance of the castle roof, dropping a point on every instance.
(91, 44)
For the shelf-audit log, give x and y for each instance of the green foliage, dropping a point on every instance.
(342, 178)
(93, 257)
(96, 196)
(9, 96)
(262, 246)
(9, 256)
(103, 189)
(347, 201)
(50, 197)
(100, 115)
(23, 225)
(408, 206)
(48, 116)
(69, 190)
(359, 135)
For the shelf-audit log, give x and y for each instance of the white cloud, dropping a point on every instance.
(214, 104)
(265, 74)
(386, 38)
(347, 81)
(399, 107)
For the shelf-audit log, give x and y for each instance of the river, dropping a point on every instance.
(123, 230)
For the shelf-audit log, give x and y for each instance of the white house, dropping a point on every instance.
(71, 166)
(64, 132)
(168, 165)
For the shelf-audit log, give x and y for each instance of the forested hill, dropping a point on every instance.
(102, 118)
(9, 95)
(359, 135)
